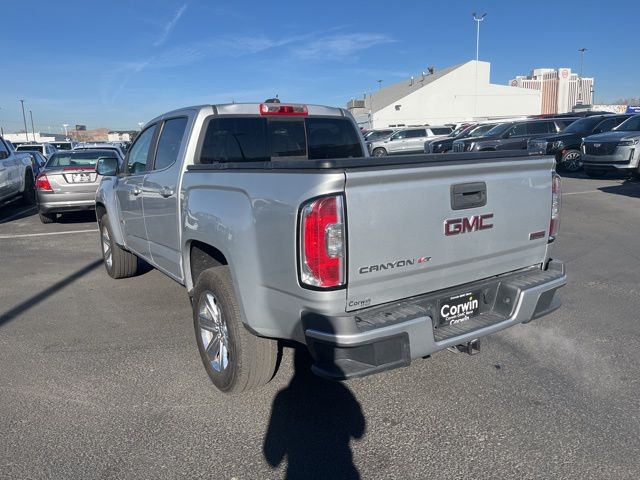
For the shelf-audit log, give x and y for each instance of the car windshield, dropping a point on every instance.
(630, 125)
(85, 158)
(31, 148)
(499, 129)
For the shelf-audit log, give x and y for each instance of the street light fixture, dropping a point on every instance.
(581, 50)
(24, 119)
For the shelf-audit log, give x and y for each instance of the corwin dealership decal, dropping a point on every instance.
(393, 265)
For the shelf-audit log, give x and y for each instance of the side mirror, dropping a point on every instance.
(107, 166)
(4, 155)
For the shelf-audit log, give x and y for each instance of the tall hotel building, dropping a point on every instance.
(560, 89)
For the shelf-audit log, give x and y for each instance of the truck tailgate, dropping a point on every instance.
(397, 220)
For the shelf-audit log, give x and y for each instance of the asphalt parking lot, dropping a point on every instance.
(101, 378)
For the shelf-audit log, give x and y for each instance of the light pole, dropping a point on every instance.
(581, 50)
(33, 129)
(24, 119)
(477, 19)
(65, 125)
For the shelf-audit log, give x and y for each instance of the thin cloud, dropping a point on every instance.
(170, 26)
(340, 46)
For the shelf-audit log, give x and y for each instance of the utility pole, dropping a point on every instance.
(33, 129)
(581, 50)
(24, 119)
(477, 20)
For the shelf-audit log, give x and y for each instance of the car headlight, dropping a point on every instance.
(628, 143)
(557, 145)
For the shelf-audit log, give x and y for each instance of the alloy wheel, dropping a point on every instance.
(213, 332)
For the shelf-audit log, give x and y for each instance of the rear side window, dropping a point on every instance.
(169, 143)
(441, 131)
(537, 127)
(332, 138)
(518, 129)
(260, 139)
(416, 133)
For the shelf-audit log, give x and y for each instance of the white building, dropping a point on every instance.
(120, 135)
(561, 90)
(29, 137)
(454, 94)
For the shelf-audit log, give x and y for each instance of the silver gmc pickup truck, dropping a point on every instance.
(281, 227)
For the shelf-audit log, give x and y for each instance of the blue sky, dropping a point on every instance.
(116, 63)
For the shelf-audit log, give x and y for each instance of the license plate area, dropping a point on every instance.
(459, 308)
(80, 177)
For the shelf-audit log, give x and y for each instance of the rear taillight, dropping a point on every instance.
(282, 109)
(556, 202)
(42, 183)
(322, 243)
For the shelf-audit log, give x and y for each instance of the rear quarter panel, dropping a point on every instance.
(252, 218)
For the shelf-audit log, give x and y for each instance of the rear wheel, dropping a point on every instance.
(29, 193)
(595, 173)
(235, 359)
(48, 217)
(571, 161)
(379, 152)
(118, 262)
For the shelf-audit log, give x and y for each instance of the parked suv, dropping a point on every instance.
(512, 135)
(566, 145)
(444, 145)
(45, 149)
(374, 135)
(407, 140)
(614, 150)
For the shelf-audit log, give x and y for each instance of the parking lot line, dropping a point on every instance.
(25, 235)
(578, 193)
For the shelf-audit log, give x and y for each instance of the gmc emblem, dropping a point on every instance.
(456, 226)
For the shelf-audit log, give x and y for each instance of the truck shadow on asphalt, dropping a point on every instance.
(40, 297)
(311, 425)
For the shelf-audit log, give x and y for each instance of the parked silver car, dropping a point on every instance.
(407, 140)
(69, 181)
(616, 150)
(101, 146)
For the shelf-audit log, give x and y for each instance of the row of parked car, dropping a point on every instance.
(597, 143)
(59, 177)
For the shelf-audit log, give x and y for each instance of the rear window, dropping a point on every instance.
(85, 158)
(30, 148)
(230, 139)
(62, 145)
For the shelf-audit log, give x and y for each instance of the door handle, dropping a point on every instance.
(166, 192)
(136, 191)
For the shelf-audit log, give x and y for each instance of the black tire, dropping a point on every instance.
(595, 173)
(379, 152)
(250, 360)
(571, 161)
(48, 217)
(28, 196)
(123, 264)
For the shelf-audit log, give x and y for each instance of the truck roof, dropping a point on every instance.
(251, 109)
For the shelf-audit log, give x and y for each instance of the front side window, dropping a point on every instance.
(4, 152)
(169, 142)
(138, 156)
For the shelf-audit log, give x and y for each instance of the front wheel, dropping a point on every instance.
(595, 173)
(235, 359)
(118, 262)
(571, 161)
(379, 152)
